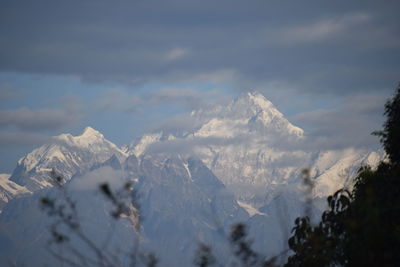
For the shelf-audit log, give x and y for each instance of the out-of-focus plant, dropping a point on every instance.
(67, 225)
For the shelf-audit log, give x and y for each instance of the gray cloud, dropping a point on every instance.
(21, 139)
(178, 125)
(231, 41)
(127, 101)
(349, 125)
(176, 54)
(23, 129)
(6, 93)
(324, 29)
(189, 98)
(299, 54)
(36, 120)
(118, 99)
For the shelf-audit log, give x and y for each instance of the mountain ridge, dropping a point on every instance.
(65, 154)
(227, 167)
(238, 142)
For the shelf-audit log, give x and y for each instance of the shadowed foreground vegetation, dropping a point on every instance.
(362, 226)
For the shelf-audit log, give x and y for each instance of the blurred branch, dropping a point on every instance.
(64, 211)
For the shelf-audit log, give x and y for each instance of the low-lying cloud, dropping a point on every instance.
(92, 180)
(349, 125)
(189, 145)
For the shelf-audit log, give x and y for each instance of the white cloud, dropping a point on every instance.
(92, 180)
(176, 54)
(189, 145)
(323, 29)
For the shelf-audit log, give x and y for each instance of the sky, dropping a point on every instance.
(127, 67)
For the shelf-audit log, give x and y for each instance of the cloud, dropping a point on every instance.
(219, 75)
(230, 41)
(129, 101)
(6, 93)
(93, 179)
(36, 120)
(23, 139)
(178, 125)
(349, 125)
(325, 29)
(345, 124)
(188, 146)
(176, 54)
(215, 75)
(293, 158)
(118, 99)
(188, 97)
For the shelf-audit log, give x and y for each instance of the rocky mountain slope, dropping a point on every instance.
(10, 190)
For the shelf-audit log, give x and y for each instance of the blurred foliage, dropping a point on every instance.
(204, 256)
(67, 224)
(242, 251)
(361, 227)
(242, 247)
(391, 128)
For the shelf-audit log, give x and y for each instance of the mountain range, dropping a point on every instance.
(240, 162)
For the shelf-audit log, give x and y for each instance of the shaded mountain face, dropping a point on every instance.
(232, 164)
(10, 190)
(180, 201)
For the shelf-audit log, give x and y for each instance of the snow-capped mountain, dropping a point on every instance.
(10, 190)
(180, 201)
(66, 154)
(250, 112)
(247, 145)
(238, 162)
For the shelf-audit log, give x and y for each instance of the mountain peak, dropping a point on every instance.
(67, 154)
(251, 113)
(255, 99)
(90, 132)
(89, 135)
(256, 94)
(250, 104)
